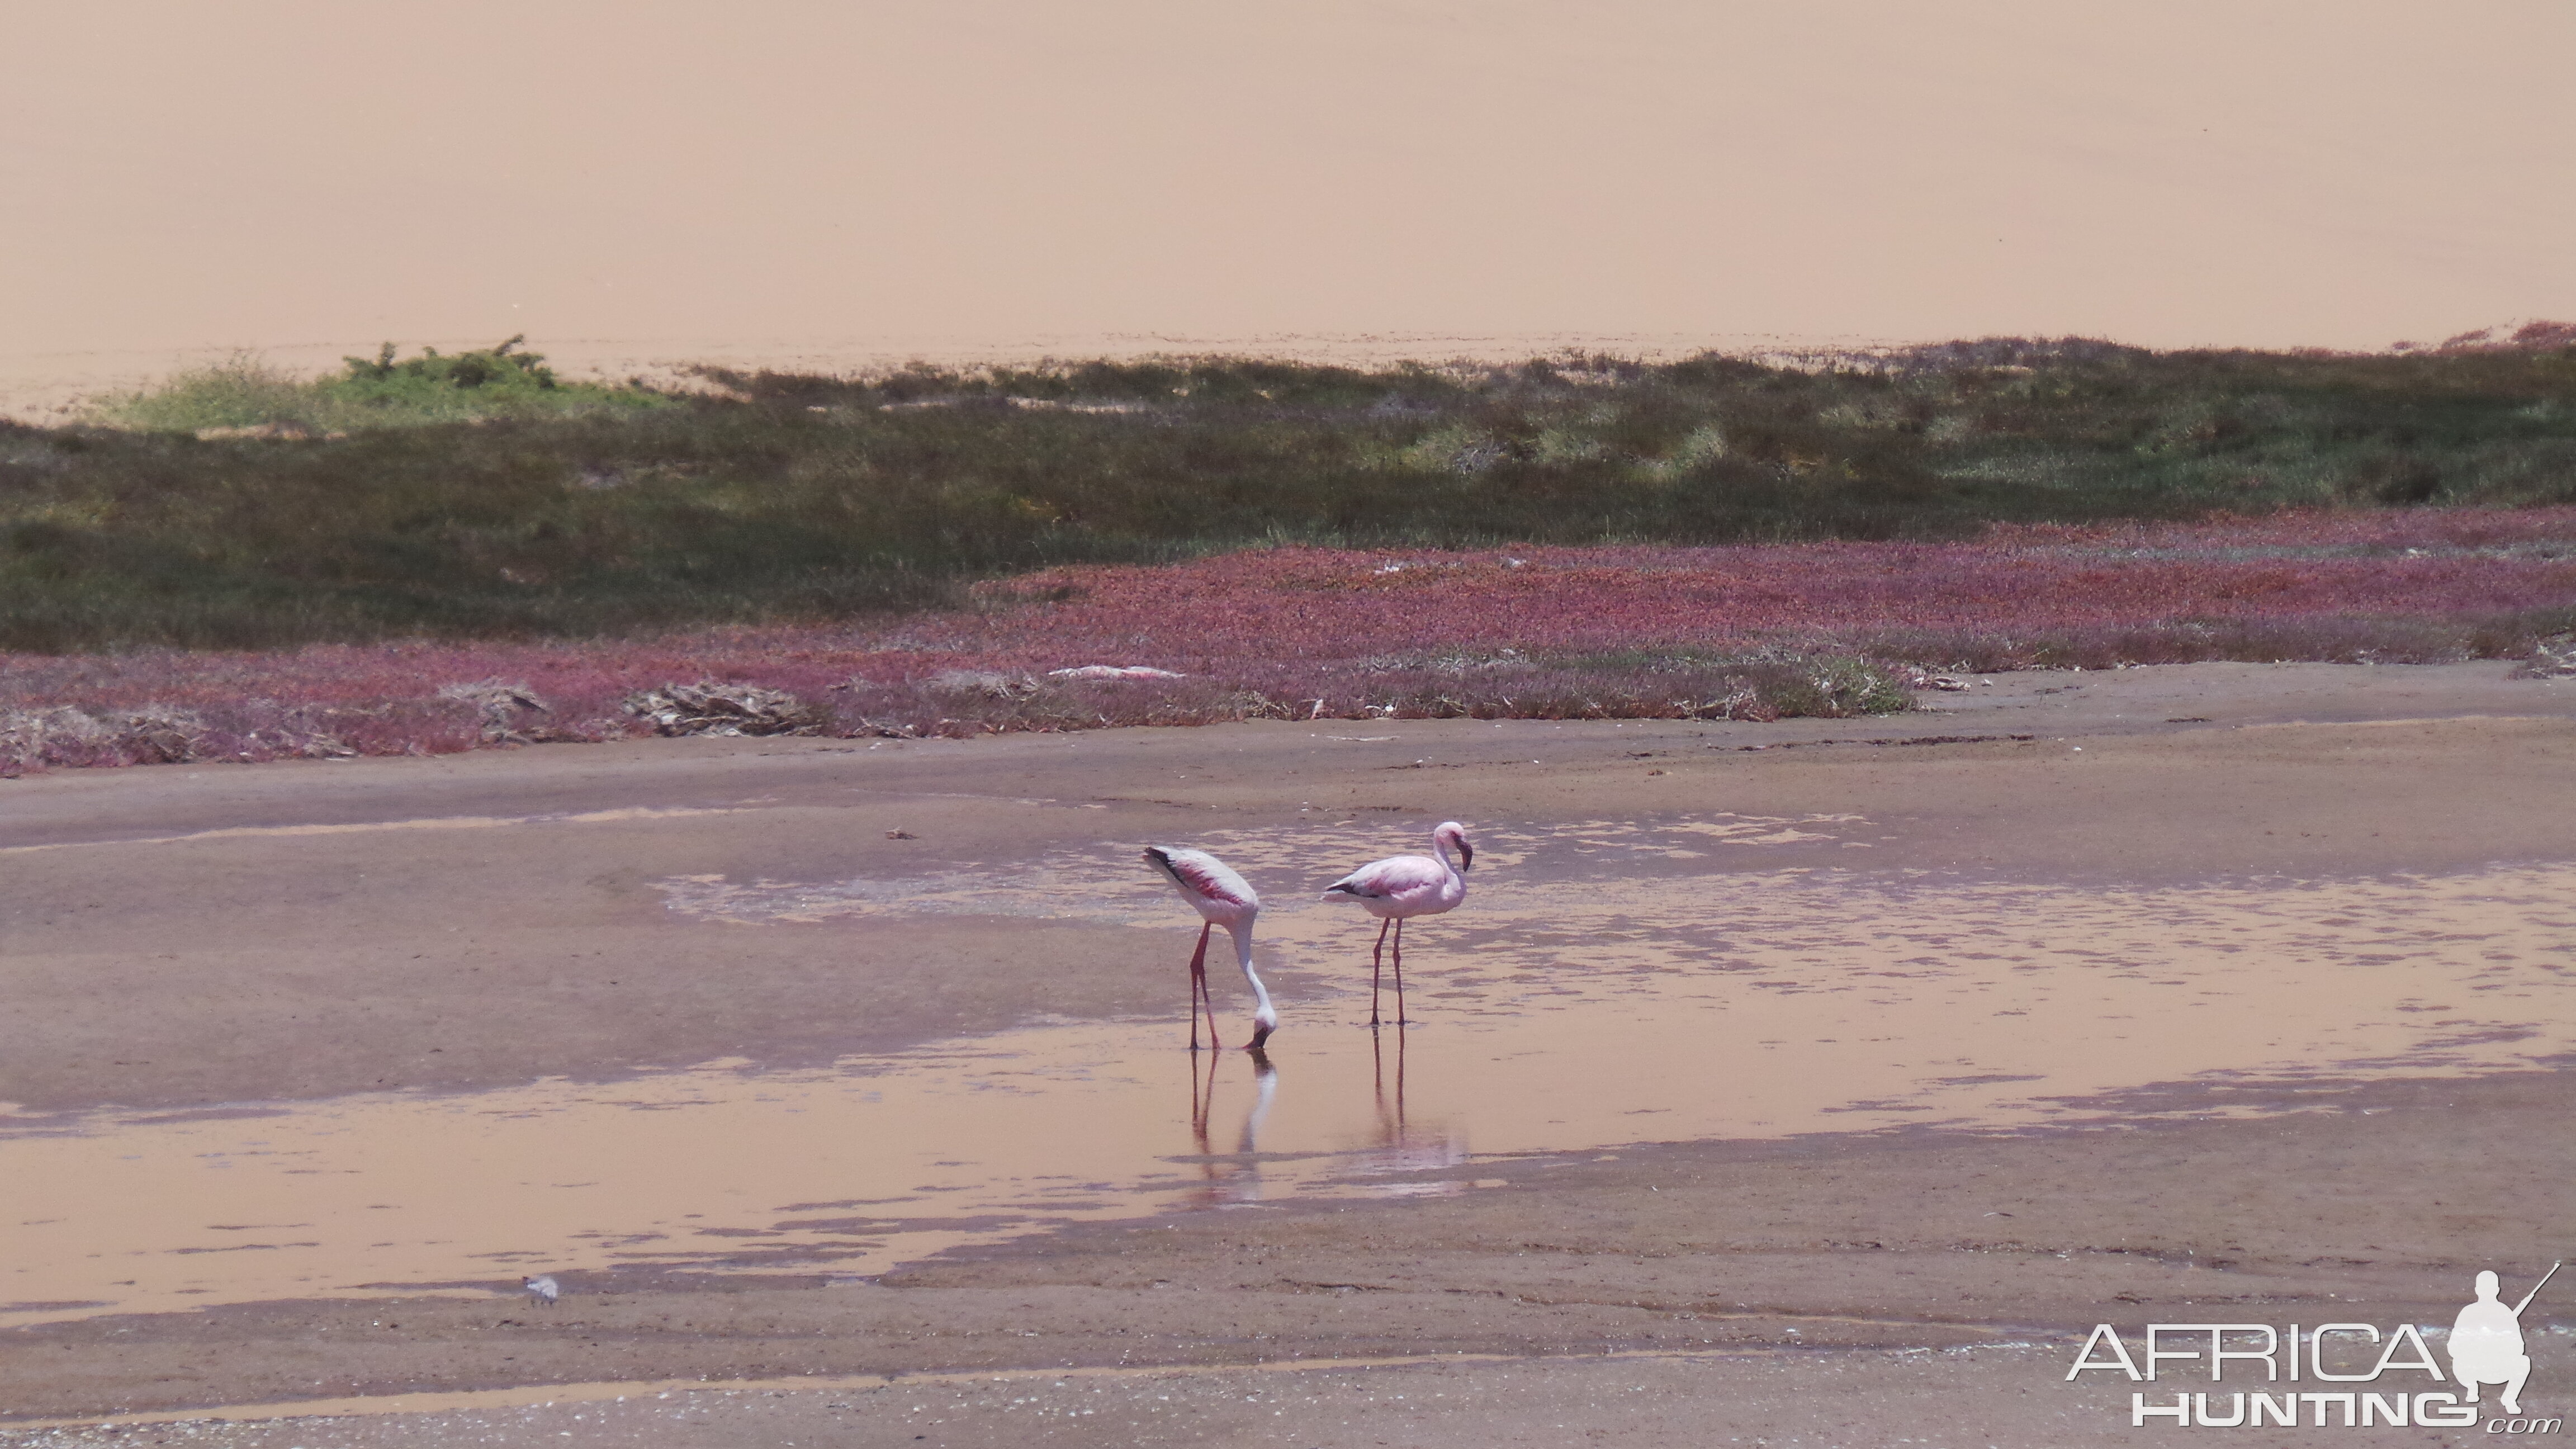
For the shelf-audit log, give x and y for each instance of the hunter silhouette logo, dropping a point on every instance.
(2485, 1347)
(2486, 1342)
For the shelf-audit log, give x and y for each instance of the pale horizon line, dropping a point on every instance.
(54, 384)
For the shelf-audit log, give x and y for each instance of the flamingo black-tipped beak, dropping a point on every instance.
(1260, 1033)
(1466, 856)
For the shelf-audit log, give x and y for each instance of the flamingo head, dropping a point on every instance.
(1454, 835)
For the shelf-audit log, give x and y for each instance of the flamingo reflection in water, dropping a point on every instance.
(1401, 1145)
(1236, 1177)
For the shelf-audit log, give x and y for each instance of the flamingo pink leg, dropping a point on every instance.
(1208, 999)
(1199, 993)
(1400, 1019)
(1377, 965)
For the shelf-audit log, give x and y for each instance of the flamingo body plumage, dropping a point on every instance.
(1401, 887)
(1222, 898)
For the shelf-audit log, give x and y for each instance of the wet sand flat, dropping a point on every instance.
(2072, 995)
(1837, 1265)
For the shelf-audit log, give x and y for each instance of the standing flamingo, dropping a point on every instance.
(1221, 898)
(1403, 886)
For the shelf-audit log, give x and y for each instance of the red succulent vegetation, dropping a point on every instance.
(1551, 632)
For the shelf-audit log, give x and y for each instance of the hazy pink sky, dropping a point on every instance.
(268, 174)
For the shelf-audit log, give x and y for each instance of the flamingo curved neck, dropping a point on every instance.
(1262, 1011)
(1440, 845)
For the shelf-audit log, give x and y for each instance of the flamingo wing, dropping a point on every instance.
(1400, 878)
(1203, 877)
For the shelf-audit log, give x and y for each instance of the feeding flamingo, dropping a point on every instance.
(1221, 898)
(1403, 886)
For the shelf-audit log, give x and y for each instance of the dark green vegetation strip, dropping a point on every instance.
(797, 498)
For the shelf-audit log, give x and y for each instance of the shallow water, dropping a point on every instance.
(1599, 988)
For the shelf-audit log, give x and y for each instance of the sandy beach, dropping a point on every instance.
(1806, 1082)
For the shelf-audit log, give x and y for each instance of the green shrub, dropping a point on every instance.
(246, 393)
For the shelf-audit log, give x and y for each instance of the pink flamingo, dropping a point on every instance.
(1221, 898)
(1403, 886)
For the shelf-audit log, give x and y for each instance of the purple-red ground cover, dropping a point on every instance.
(1745, 632)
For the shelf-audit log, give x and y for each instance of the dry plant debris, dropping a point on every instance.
(726, 709)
